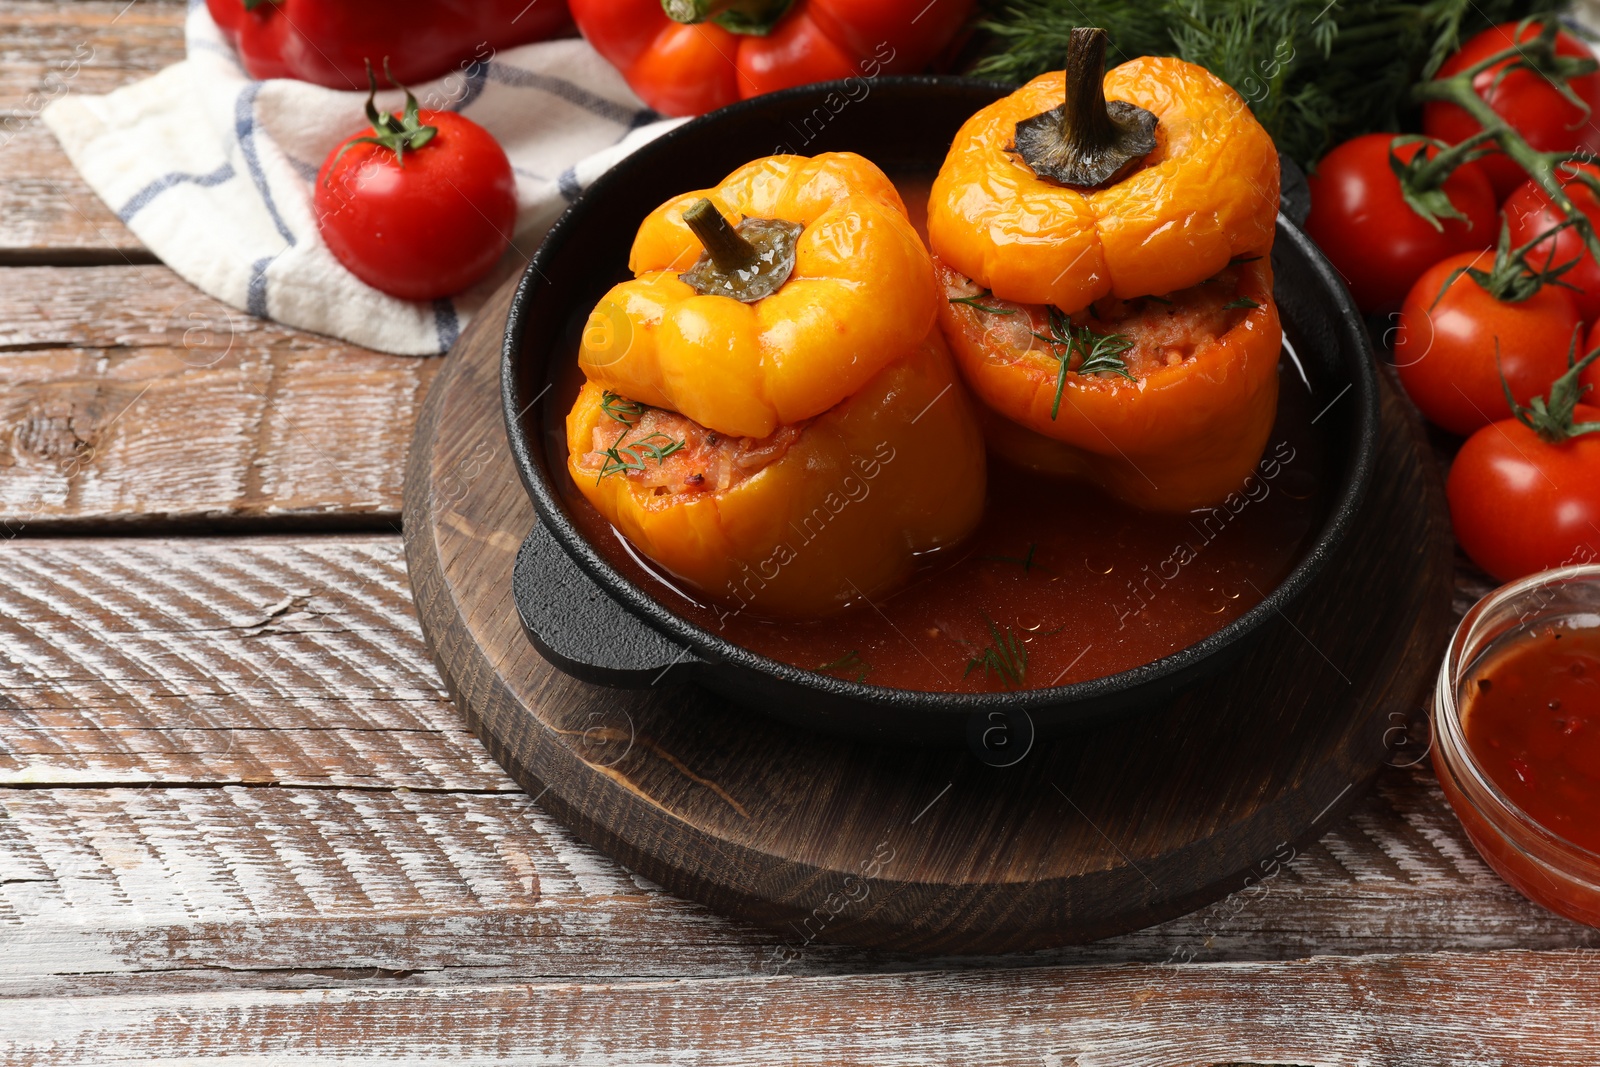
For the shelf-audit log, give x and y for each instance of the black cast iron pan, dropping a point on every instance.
(594, 623)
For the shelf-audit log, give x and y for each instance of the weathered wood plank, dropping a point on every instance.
(48, 214)
(47, 50)
(218, 887)
(128, 398)
(49, 47)
(1525, 1008)
(292, 663)
(200, 887)
(121, 890)
(222, 662)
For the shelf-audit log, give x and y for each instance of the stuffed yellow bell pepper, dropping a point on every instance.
(1103, 243)
(771, 414)
(738, 354)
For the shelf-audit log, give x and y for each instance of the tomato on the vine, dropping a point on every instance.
(1525, 492)
(1365, 224)
(1525, 98)
(421, 205)
(1529, 212)
(1462, 327)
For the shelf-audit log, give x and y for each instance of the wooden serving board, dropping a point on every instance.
(933, 850)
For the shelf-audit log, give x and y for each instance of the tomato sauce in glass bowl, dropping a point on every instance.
(1517, 736)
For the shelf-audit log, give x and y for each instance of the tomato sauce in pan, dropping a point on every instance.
(1059, 583)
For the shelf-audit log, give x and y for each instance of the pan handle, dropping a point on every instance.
(578, 627)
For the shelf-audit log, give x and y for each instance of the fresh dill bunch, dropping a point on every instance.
(1314, 71)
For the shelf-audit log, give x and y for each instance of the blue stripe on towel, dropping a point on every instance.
(308, 171)
(445, 321)
(142, 198)
(576, 95)
(256, 296)
(568, 185)
(476, 76)
(244, 127)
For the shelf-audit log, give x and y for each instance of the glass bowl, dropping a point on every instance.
(1540, 864)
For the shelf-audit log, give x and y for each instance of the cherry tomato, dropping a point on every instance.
(1521, 504)
(1363, 224)
(1529, 213)
(1524, 98)
(1445, 351)
(426, 225)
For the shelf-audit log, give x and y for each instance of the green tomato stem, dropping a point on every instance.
(1438, 168)
(1540, 166)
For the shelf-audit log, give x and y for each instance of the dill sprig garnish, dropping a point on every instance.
(1313, 72)
(1103, 352)
(849, 663)
(620, 409)
(1098, 352)
(631, 457)
(1242, 302)
(1006, 657)
(976, 302)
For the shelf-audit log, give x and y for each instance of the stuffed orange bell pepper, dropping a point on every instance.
(1163, 403)
(765, 399)
(1103, 242)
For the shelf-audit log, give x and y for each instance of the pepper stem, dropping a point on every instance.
(756, 17)
(692, 11)
(727, 249)
(748, 262)
(1088, 140)
(1085, 123)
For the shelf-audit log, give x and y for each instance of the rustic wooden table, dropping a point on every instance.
(240, 818)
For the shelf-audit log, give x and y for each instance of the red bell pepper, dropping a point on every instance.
(329, 42)
(685, 57)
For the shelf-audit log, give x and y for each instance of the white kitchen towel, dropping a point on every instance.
(215, 172)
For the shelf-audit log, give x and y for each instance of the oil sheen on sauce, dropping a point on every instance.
(1531, 714)
(1058, 576)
